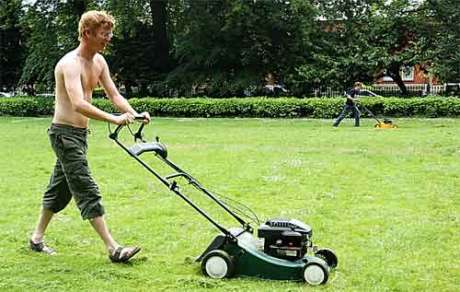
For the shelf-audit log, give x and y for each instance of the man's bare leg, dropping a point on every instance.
(36, 241)
(100, 226)
(112, 246)
(43, 221)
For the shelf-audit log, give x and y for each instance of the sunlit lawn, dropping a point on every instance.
(387, 201)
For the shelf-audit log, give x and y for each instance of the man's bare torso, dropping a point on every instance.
(90, 73)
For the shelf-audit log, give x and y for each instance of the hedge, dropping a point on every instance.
(430, 107)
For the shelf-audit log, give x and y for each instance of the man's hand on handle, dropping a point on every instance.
(123, 119)
(145, 116)
(129, 118)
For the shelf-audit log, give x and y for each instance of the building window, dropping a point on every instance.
(407, 73)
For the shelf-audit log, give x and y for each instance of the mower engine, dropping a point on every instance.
(285, 239)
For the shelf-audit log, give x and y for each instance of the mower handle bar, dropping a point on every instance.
(137, 135)
(180, 173)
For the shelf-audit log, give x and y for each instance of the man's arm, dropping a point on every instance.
(349, 97)
(370, 92)
(114, 95)
(353, 99)
(72, 81)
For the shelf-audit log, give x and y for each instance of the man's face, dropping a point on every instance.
(100, 38)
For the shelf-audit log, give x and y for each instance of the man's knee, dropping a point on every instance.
(57, 195)
(57, 201)
(91, 207)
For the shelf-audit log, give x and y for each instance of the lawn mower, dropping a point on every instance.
(283, 249)
(386, 124)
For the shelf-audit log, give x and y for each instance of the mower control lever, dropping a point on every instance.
(138, 135)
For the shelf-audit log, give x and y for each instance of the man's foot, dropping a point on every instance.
(123, 254)
(41, 247)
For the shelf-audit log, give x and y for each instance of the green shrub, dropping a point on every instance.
(430, 107)
(26, 106)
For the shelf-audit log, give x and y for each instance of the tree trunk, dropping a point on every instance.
(143, 90)
(129, 90)
(393, 72)
(160, 35)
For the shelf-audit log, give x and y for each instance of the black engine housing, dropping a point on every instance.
(285, 238)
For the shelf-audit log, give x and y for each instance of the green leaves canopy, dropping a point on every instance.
(224, 47)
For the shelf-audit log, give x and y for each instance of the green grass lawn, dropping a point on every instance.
(387, 201)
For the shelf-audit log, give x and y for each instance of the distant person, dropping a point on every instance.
(350, 105)
(272, 87)
(76, 76)
(29, 89)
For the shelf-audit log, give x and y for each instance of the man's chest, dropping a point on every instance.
(90, 76)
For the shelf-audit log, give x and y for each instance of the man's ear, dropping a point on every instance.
(86, 33)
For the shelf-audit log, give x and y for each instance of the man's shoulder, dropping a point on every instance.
(68, 60)
(99, 58)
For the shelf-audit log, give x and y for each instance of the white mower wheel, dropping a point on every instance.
(314, 274)
(217, 264)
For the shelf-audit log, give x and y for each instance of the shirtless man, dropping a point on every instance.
(76, 76)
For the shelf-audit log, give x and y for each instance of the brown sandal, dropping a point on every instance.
(41, 247)
(116, 256)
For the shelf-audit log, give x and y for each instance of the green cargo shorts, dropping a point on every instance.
(71, 176)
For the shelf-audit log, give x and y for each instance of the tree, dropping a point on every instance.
(53, 26)
(11, 43)
(444, 38)
(364, 40)
(230, 45)
(340, 54)
(158, 10)
(140, 52)
(225, 47)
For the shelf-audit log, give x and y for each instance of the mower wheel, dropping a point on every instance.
(315, 274)
(329, 256)
(217, 264)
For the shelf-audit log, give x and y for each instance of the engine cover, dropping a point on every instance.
(285, 238)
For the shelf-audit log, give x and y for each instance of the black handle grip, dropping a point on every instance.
(139, 117)
(136, 117)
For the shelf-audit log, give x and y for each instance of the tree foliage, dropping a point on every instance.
(53, 26)
(444, 33)
(365, 40)
(11, 43)
(233, 44)
(225, 47)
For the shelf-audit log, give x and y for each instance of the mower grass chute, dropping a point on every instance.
(283, 249)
